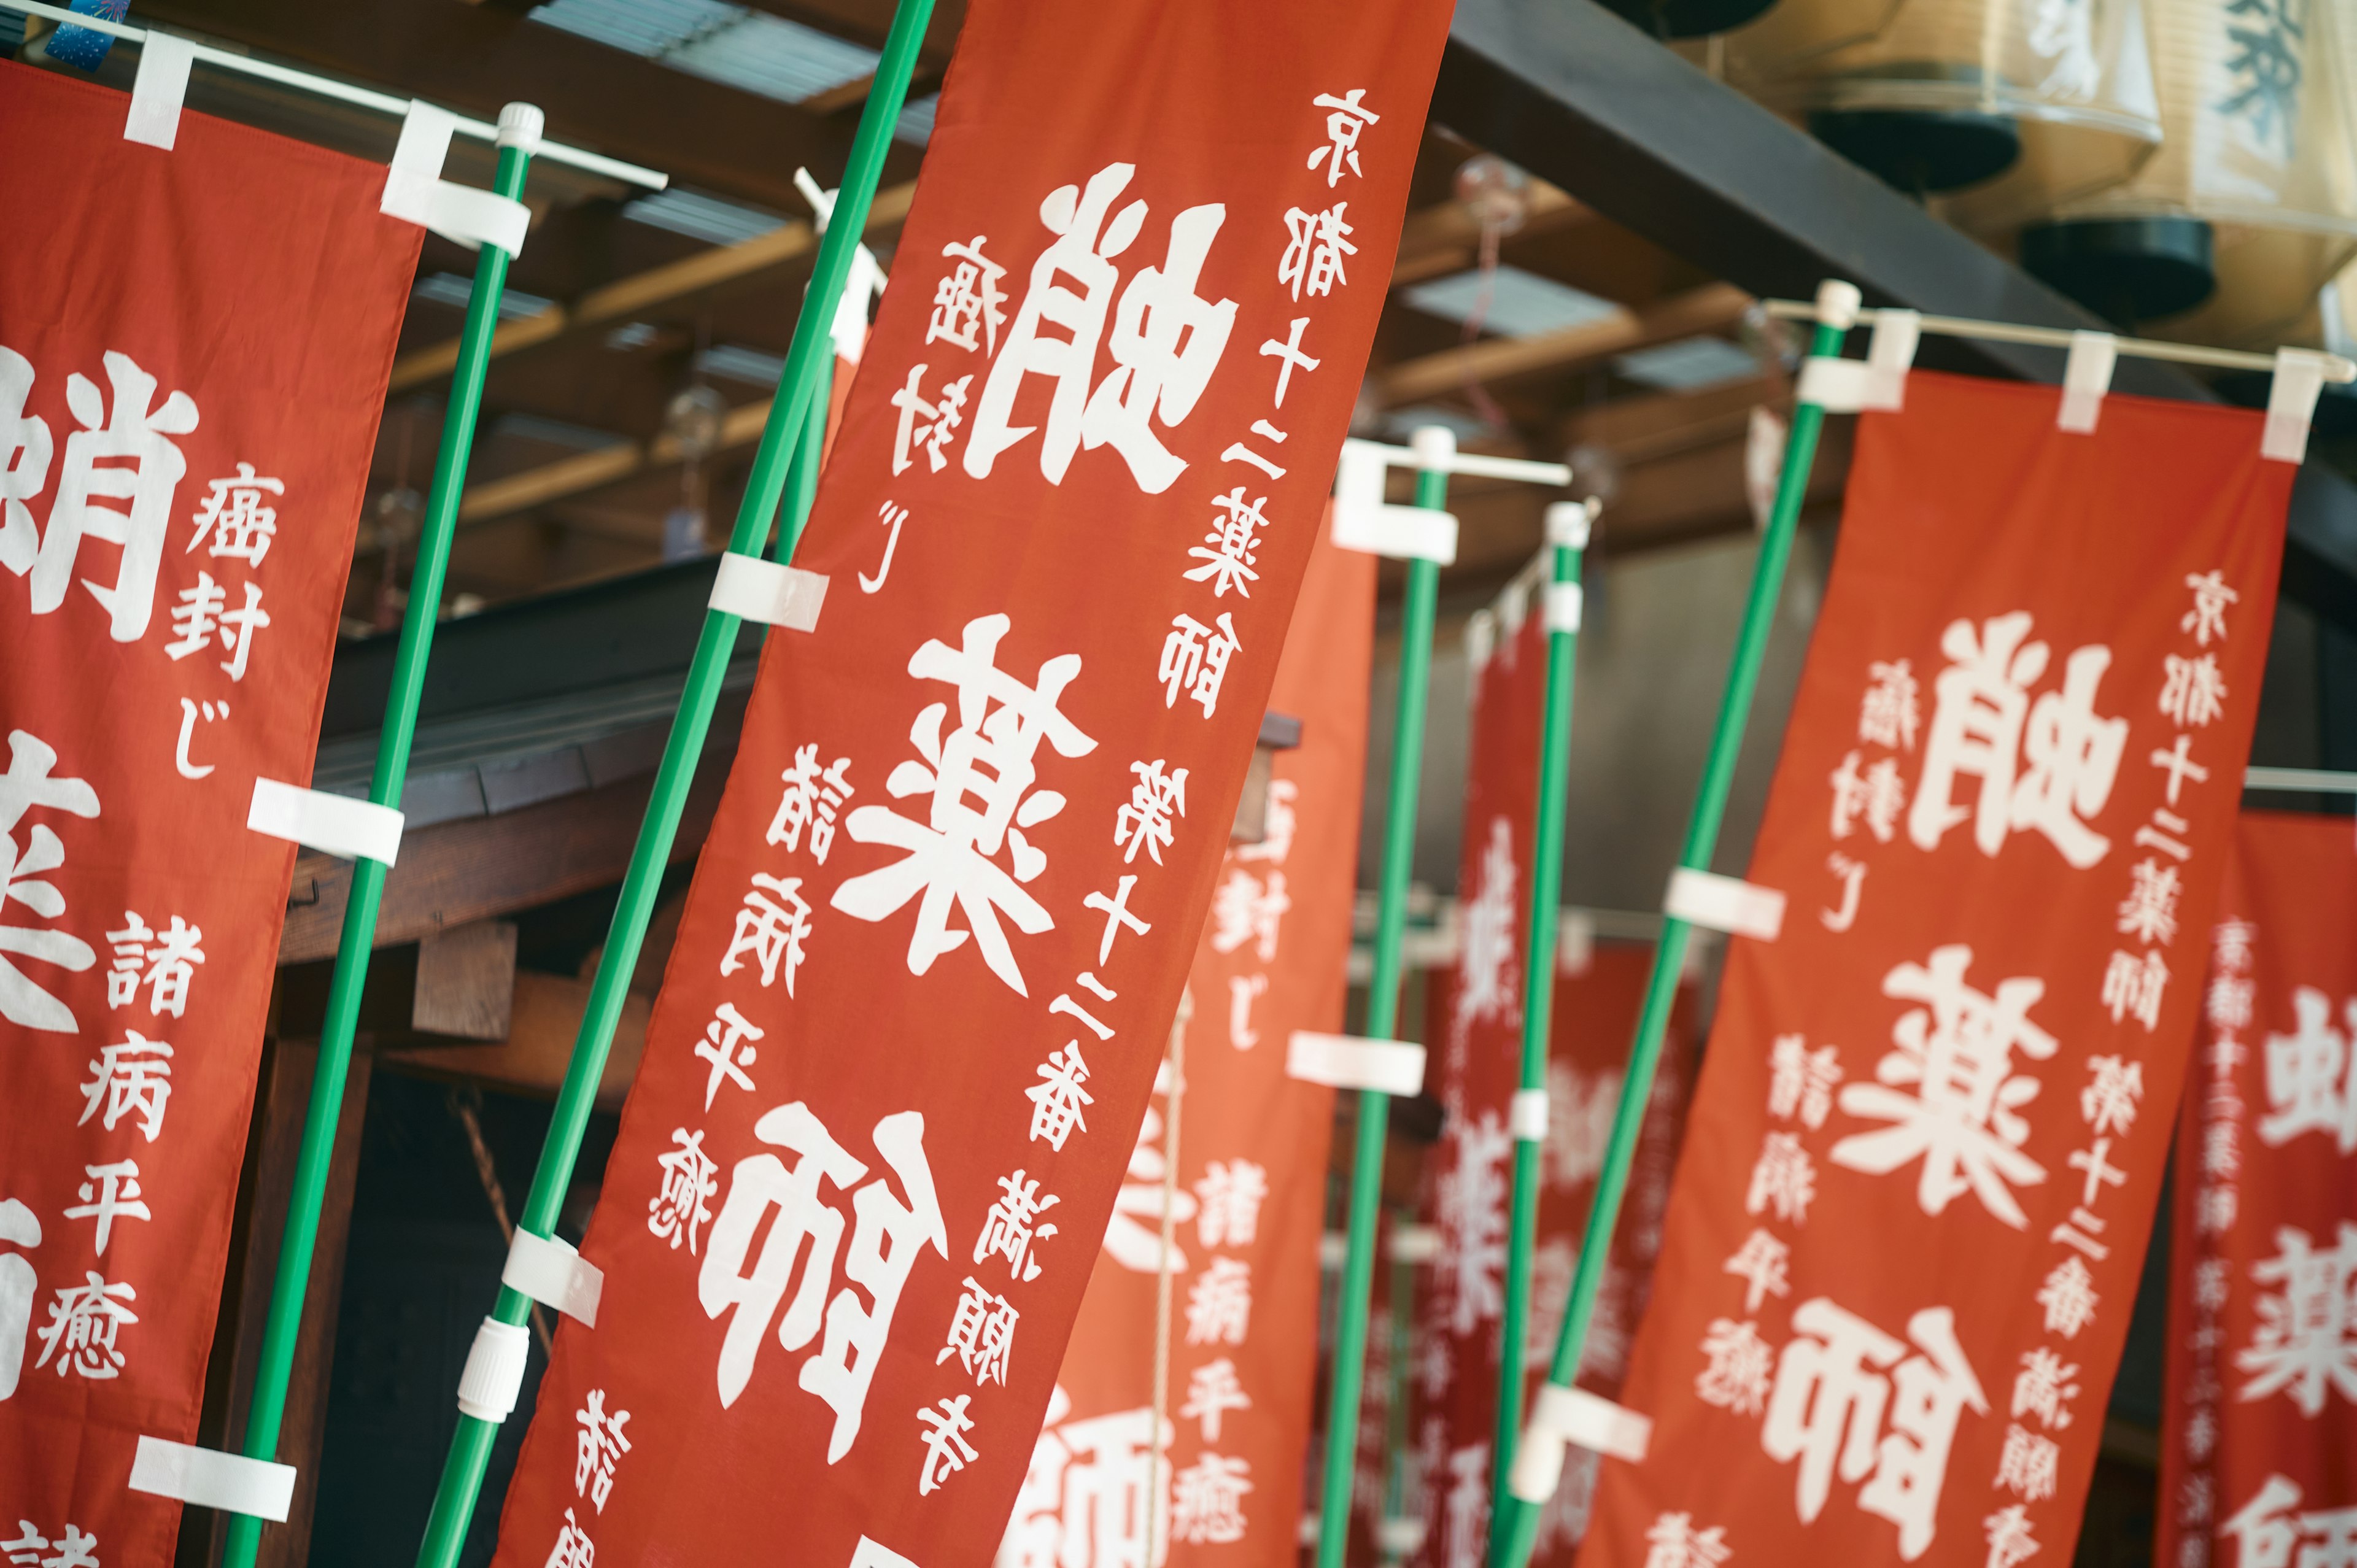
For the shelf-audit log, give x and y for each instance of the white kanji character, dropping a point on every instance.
(2069, 1298)
(2010, 1543)
(677, 1213)
(2267, 1531)
(2109, 1101)
(1012, 1227)
(1963, 1121)
(967, 300)
(1245, 910)
(1827, 1402)
(1288, 357)
(1888, 715)
(2306, 1340)
(1213, 1390)
(982, 1334)
(811, 801)
(132, 1079)
(1351, 117)
(28, 783)
(1740, 1367)
(1674, 1541)
(1207, 1500)
(1229, 550)
(1985, 724)
(189, 712)
(890, 1234)
(130, 946)
(596, 1448)
(573, 1548)
(124, 456)
(239, 629)
(1218, 1303)
(24, 452)
(2043, 1387)
(1313, 254)
(83, 1323)
(111, 1193)
(1228, 1196)
(926, 427)
(1146, 820)
(1057, 1098)
(1801, 1081)
(1472, 1213)
(1195, 661)
(1164, 339)
(2028, 1464)
(1783, 1177)
(1761, 1264)
(242, 523)
(21, 1288)
(1133, 1236)
(77, 1548)
(2227, 1004)
(171, 959)
(1488, 984)
(196, 616)
(770, 931)
(2149, 911)
(725, 1046)
(2311, 1083)
(946, 1449)
(2133, 983)
(2192, 690)
(980, 777)
(2207, 616)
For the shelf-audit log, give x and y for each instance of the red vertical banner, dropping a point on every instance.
(1476, 1025)
(189, 388)
(942, 923)
(1249, 1188)
(2259, 1432)
(1929, 1130)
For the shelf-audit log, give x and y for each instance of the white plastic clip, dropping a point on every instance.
(1575, 941)
(159, 90)
(1333, 1250)
(548, 1269)
(1724, 904)
(769, 592)
(2086, 377)
(208, 1478)
(414, 190)
(1400, 1537)
(1415, 1243)
(494, 1370)
(1351, 1061)
(1560, 1417)
(1364, 521)
(1526, 1115)
(1563, 602)
(2291, 403)
(1480, 638)
(332, 824)
(861, 285)
(1877, 382)
(868, 1555)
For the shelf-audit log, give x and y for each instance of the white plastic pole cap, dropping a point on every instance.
(521, 125)
(1837, 304)
(1567, 524)
(1434, 445)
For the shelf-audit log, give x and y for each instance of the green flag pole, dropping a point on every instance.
(1539, 1460)
(519, 125)
(787, 429)
(1567, 526)
(1434, 446)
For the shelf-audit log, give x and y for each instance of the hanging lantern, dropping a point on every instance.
(2249, 205)
(1688, 18)
(1942, 95)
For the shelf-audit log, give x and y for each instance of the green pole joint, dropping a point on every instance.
(283, 1328)
(1538, 1006)
(798, 409)
(1515, 1532)
(1383, 1024)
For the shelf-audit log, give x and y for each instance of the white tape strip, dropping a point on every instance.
(1833, 384)
(332, 824)
(548, 1269)
(1575, 941)
(1401, 532)
(768, 592)
(1480, 638)
(1333, 1250)
(1577, 1416)
(2291, 403)
(2086, 377)
(1563, 602)
(868, 1555)
(1890, 354)
(208, 1478)
(494, 1370)
(1400, 1537)
(1348, 1061)
(415, 190)
(159, 90)
(1724, 904)
(1526, 1115)
(1415, 1243)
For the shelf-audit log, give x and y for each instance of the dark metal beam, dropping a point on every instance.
(1579, 97)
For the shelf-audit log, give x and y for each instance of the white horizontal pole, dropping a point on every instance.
(2313, 781)
(328, 87)
(1522, 468)
(2336, 368)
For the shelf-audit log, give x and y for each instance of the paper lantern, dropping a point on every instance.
(1940, 95)
(1686, 18)
(2255, 182)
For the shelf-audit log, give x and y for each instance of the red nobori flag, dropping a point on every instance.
(1477, 1022)
(2259, 1435)
(1251, 1194)
(189, 387)
(942, 921)
(1929, 1135)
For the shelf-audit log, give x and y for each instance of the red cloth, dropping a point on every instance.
(199, 361)
(2259, 1431)
(1918, 1179)
(1018, 700)
(1251, 1160)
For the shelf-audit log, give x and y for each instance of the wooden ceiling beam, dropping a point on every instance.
(610, 305)
(1711, 308)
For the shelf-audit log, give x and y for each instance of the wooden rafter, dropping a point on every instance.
(1711, 308)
